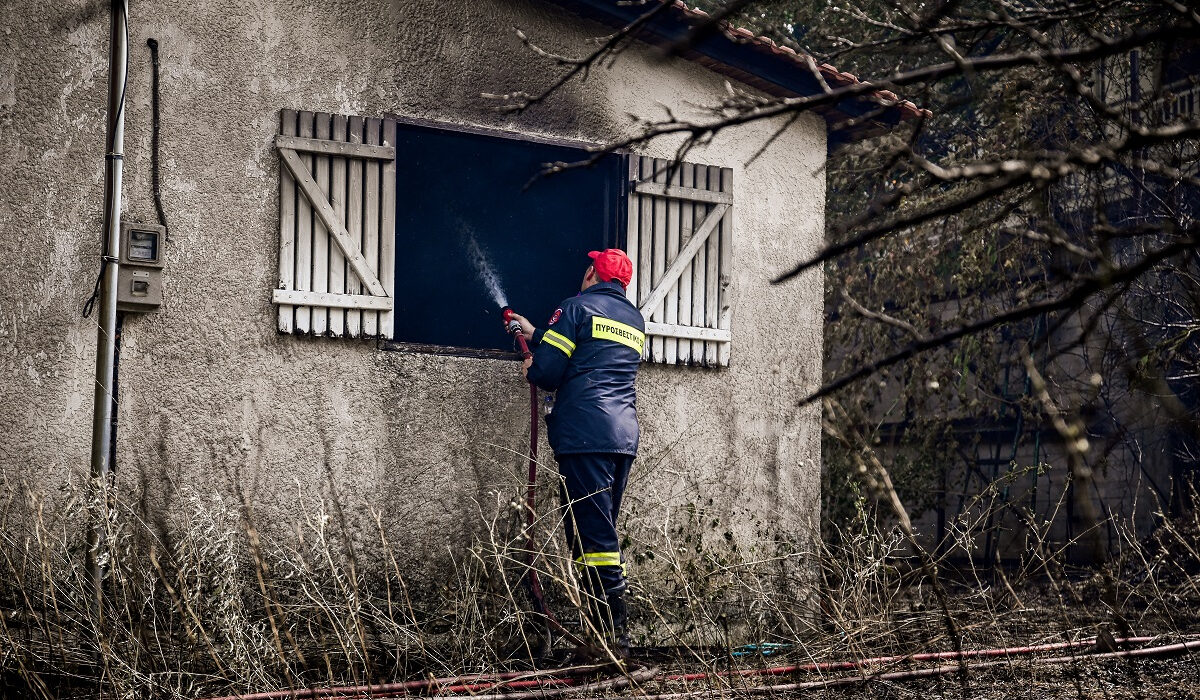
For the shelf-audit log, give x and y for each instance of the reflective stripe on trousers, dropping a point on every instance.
(591, 490)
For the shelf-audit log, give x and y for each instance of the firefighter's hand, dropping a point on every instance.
(526, 326)
(525, 367)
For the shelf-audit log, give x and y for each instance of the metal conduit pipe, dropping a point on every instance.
(569, 677)
(106, 346)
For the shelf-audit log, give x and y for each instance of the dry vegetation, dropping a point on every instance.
(209, 606)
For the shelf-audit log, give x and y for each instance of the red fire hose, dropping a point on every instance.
(917, 673)
(880, 660)
(559, 681)
(535, 583)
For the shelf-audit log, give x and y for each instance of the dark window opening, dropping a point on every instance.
(466, 195)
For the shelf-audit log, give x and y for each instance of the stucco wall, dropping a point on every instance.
(212, 398)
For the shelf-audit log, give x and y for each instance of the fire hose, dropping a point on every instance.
(535, 584)
(557, 682)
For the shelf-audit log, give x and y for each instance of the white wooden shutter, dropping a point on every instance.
(679, 238)
(337, 224)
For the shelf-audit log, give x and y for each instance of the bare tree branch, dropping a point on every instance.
(1069, 300)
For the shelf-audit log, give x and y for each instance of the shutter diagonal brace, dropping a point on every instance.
(671, 276)
(320, 204)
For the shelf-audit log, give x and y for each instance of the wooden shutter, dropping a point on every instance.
(679, 238)
(337, 224)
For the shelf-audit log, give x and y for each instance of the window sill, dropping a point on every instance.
(395, 346)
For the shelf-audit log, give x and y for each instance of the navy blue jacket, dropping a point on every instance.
(590, 356)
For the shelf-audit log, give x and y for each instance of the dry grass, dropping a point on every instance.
(206, 604)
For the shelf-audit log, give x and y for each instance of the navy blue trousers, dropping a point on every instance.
(590, 491)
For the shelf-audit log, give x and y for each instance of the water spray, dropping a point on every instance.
(483, 268)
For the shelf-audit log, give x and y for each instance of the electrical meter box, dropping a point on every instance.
(139, 280)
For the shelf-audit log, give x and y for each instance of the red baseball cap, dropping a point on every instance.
(612, 264)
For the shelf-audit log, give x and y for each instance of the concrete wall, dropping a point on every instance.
(213, 399)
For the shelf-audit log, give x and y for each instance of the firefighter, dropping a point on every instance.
(589, 356)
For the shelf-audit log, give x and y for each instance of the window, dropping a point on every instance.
(415, 233)
(477, 227)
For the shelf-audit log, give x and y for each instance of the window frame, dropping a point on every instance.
(641, 212)
(390, 345)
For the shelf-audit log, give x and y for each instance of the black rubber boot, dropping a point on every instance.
(619, 617)
(593, 631)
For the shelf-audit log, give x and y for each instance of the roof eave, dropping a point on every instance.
(760, 63)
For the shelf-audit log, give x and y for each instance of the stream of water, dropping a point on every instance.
(485, 271)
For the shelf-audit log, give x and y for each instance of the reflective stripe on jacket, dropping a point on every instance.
(590, 357)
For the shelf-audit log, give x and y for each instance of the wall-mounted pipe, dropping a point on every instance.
(106, 345)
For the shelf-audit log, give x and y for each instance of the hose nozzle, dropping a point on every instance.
(511, 324)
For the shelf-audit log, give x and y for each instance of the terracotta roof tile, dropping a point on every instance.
(831, 74)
